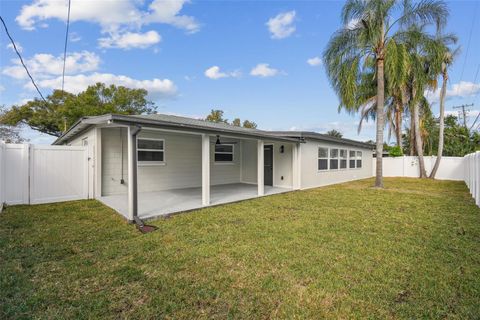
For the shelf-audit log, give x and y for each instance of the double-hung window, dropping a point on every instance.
(151, 151)
(343, 158)
(352, 155)
(322, 158)
(224, 153)
(359, 159)
(333, 159)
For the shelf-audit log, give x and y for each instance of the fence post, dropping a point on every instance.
(2, 175)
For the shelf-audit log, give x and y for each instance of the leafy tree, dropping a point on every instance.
(63, 109)
(369, 35)
(335, 133)
(395, 151)
(9, 134)
(237, 122)
(249, 124)
(216, 116)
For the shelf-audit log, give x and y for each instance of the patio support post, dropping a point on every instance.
(132, 172)
(205, 170)
(260, 168)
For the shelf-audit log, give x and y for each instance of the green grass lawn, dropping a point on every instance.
(346, 251)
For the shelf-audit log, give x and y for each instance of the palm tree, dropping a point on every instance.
(448, 56)
(368, 35)
(426, 57)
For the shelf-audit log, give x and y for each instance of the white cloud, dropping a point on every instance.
(281, 26)
(315, 61)
(167, 11)
(109, 14)
(263, 70)
(74, 37)
(130, 40)
(215, 73)
(2, 88)
(462, 89)
(19, 47)
(44, 65)
(157, 88)
(47, 70)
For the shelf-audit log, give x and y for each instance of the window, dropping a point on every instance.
(343, 159)
(224, 153)
(352, 156)
(333, 159)
(322, 158)
(359, 159)
(151, 150)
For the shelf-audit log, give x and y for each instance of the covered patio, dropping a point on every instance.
(163, 203)
(149, 170)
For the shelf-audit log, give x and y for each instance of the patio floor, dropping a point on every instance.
(158, 203)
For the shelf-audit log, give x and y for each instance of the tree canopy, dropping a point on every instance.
(63, 109)
(335, 133)
(216, 115)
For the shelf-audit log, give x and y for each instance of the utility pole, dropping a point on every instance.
(463, 112)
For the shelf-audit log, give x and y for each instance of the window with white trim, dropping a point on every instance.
(333, 159)
(352, 155)
(224, 153)
(343, 158)
(151, 150)
(322, 158)
(359, 159)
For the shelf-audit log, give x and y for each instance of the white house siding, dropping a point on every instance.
(182, 167)
(282, 163)
(249, 162)
(310, 175)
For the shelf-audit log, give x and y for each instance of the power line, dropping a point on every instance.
(65, 47)
(21, 59)
(464, 112)
(469, 38)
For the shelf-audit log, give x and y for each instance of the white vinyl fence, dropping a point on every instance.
(451, 168)
(31, 174)
(472, 175)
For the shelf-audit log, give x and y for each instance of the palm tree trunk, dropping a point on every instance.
(398, 125)
(441, 126)
(412, 133)
(380, 122)
(418, 140)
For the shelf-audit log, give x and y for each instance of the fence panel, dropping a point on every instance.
(31, 174)
(16, 173)
(58, 173)
(451, 168)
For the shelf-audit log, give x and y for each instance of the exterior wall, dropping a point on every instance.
(182, 167)
(311, 177)
(282, 163)
(249, 162)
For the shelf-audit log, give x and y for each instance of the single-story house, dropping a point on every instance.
(152, 165)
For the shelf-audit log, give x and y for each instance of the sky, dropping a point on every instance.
(256, 60)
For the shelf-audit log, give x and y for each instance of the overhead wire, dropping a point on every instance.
(21, 59)
(65, 46)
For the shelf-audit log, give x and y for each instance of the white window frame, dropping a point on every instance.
(340, 159)
(337, 158)
(232, 153)
(151, 163)
(323, 158)
(352, 159)
(359, 157)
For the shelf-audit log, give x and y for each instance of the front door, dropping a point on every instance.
(268, 165)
